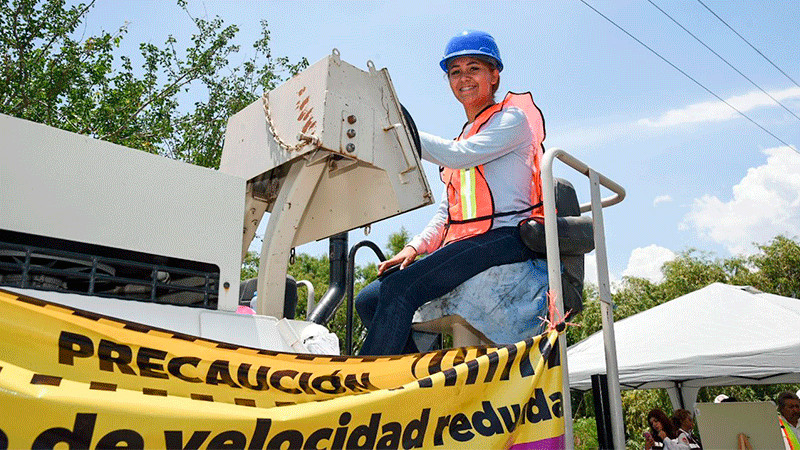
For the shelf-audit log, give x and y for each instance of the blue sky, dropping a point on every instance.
(697, 173)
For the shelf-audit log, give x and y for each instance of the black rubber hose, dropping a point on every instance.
(333, 297)
(412, 127)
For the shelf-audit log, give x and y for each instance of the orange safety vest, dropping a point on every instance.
(471, 207)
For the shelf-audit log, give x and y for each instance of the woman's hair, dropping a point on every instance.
(666, 424)
(679, 416)
(492, 64)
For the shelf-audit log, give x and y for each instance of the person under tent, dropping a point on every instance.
(788, 417)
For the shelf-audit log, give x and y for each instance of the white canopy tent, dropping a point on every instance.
(719, 335)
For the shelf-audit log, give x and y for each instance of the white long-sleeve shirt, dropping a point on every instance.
(503, 147)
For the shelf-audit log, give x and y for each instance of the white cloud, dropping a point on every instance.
(661, 199)
(717, 111)
(765, 203)
(646, 262)
(711, 111)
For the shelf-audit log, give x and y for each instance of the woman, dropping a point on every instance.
(684, 423)
(663, 433)
(492, 182)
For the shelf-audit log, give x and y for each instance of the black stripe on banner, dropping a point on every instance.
(226, 346)
(136, 327)
(450, 377)
(494, 358)
(525, 366)
(245, 402)
(512, 356)
(86, 315)
(305, 357)
(426, 382)
(31, 300)
(472, 371)
(158, 392)
(285, 403)
(435, 365)
(184, 337)
(98, 386)
(203, 397)
(551, 352)
(47, 380)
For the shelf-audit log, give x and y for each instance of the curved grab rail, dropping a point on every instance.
(596, 206)
(547, 167)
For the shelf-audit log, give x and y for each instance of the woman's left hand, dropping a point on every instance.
(405, 257)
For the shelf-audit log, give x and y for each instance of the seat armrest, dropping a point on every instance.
(575, 235)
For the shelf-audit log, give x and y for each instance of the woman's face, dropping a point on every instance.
(656, 424)
(471, 80)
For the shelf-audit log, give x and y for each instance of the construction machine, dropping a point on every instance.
(120, 273)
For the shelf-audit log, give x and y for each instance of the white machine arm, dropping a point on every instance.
(326, 152)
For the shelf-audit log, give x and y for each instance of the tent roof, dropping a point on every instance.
(717, 335)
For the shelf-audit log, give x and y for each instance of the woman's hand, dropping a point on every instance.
(744, 442)
(405, 257)
(648, 441)
(662, 434)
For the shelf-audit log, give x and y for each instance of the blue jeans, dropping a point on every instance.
(386, 306)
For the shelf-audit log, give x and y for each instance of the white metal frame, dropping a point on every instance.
(554, 274)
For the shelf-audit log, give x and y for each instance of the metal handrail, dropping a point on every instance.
(596, 206)
(350, 283)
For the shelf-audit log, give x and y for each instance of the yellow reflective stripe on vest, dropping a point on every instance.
(789, 435)
(469, 200)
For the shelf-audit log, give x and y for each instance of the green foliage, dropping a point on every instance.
(52, 74)
(778, 267)
(397, 241)
(585, 431)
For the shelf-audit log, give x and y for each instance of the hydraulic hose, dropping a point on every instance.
(326, 307)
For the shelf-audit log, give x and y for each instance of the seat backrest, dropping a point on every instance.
(572, 272)
(575, 238)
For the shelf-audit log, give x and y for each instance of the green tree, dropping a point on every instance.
(778, 267)
(397, 241)
(53, 75)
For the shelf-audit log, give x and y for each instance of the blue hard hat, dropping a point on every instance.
(474, 43)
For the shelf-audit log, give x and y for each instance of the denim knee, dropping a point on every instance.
(366, 303)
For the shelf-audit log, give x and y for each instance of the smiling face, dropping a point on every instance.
(791, 411)
(472, 81)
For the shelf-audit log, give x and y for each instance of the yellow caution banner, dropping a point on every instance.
(75, 379)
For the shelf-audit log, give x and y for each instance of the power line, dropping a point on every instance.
(748, 43)
(689, 76)
(725, 60)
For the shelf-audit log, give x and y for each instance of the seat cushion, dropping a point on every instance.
(505, 303)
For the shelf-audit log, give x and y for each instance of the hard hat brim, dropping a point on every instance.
(483, 55)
